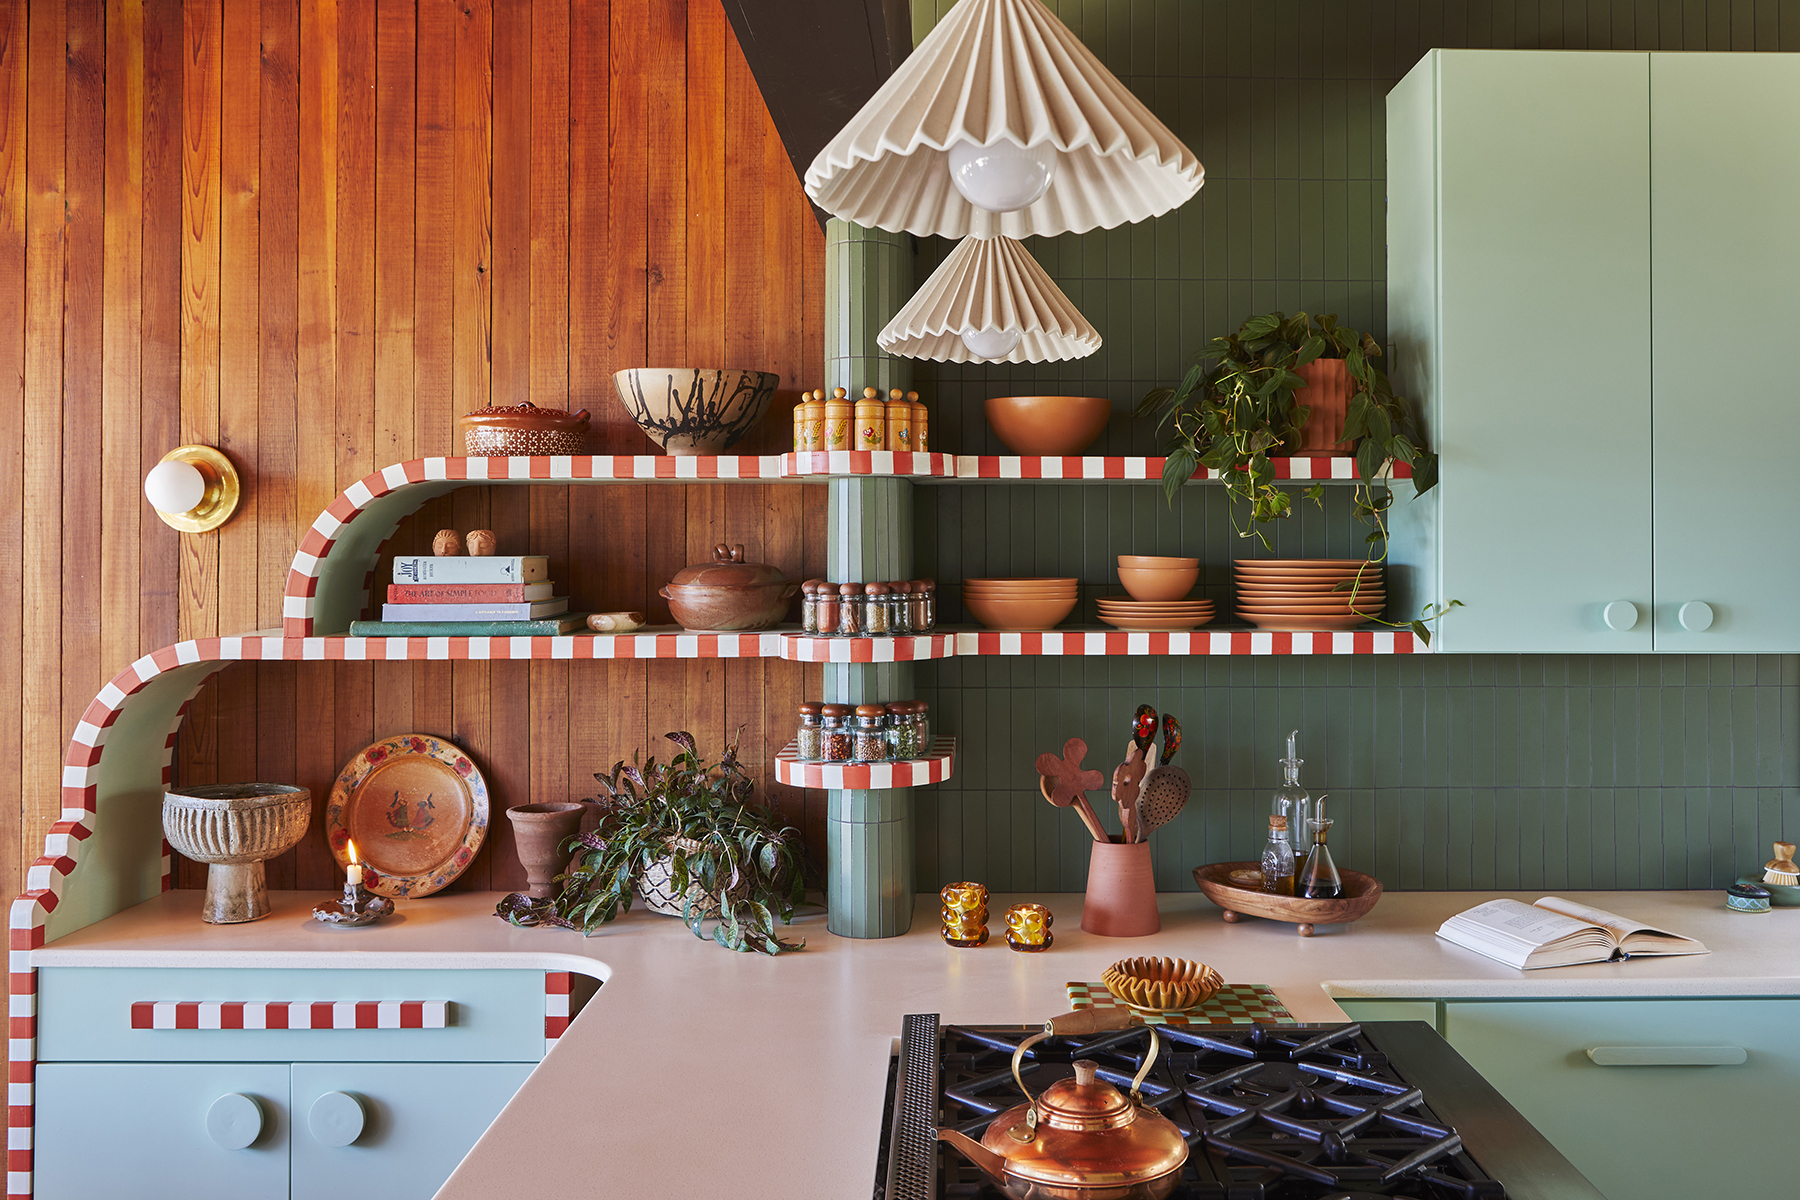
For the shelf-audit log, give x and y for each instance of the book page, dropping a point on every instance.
(1524, 923)
(1644, 938)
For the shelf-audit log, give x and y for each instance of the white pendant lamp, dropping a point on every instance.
(989, 302)
(1002, 122)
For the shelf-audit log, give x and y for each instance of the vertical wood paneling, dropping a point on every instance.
(14, 774)
(200, 81)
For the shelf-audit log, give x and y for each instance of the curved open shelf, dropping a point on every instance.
(1026, 469)
(910, 772)
(869, 462)
(1195, 642)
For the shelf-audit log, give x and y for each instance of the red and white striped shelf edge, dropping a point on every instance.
(290, 1014)
(868, 462)
(912, 772)
(1197, 642)
(1321, 467)
(911, 647)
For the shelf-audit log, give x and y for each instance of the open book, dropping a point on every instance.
(1557, 933)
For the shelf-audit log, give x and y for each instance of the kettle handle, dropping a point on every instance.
(1049, 1031)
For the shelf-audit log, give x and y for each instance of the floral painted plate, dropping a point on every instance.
(417, 808)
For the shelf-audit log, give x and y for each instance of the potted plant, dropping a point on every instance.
(686, 833)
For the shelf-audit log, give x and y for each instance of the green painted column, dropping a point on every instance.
(869, 531)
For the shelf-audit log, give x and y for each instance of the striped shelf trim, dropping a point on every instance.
(903, 648)
(1126, 469)
(558, 986)
(290, 1014)
(868, 462)
(1203, 641)
(865, 776)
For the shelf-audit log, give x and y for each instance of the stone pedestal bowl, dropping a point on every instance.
(234, 828)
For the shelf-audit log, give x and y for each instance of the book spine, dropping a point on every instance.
(422, 568)
(466, 593)
(528, 610)
(548, 627)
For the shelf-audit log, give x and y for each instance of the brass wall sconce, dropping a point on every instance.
(193, 489)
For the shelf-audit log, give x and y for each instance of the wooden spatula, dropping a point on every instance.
(1062, 782)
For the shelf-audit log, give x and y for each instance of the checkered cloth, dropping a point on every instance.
(1236, 1004)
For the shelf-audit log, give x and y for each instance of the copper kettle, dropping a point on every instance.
(1082, 1139)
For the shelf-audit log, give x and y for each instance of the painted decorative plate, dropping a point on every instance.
(417, 808)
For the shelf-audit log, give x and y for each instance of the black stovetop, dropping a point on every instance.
(1270, 1112)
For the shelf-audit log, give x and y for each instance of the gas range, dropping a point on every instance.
(1270, 1112)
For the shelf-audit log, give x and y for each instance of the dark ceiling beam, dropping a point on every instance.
(817, 62)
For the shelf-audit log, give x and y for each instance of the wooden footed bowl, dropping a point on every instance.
(1360, 894)
(1162, 984)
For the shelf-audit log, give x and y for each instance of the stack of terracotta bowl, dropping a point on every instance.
(1304, 593)
(1019, 603)
(1158, 588)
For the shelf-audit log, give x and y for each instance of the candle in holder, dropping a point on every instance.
(965, 914)
(353, 873)
(1028, 928)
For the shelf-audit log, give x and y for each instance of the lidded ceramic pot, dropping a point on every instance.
(728, 594)
(500, 431)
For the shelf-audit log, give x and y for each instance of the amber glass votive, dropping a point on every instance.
(965, 914)
(1028, 928)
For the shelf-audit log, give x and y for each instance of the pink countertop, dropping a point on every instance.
(695, 1072)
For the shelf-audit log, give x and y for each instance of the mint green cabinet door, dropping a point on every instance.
(1725, 191)
(393, 1130)
(1657, 1132)
(1539, 338)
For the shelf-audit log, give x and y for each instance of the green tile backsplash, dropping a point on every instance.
(1444, 771)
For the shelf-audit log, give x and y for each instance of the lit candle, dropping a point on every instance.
(354, 872)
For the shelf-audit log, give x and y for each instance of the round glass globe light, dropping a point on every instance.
(991, 343)
(1002, 177)
(174, 486)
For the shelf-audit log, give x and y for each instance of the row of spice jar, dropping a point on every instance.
(899, 423)
(868, 609)
(863, 732)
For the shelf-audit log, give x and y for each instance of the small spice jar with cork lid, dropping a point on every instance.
(825, 604)
(850, 609)
(871, 734)
(900, 617)
(809, 606)
(838, 738)
(925, 597)
(809, 739)
(877, 609)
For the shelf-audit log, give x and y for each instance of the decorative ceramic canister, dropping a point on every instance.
(1747, 898)
(899, 421)
(501, 430)
(839, 413)
(871, 422)
(729, 593)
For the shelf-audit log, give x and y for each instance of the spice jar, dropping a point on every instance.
(871, 421)
(899, 421)
(809, 740)
(871, 734)
(921, 713)
(812, 421)
(921, 422)
(900, 616)
(825, 603)
(839, 412)
(878, 609)
(903, 730)
(809, 606)
(838, 736)
(928, 589)
(850, 609)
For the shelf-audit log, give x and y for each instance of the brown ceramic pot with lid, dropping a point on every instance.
(1082, 1139)
(502, 430)
(728, 595)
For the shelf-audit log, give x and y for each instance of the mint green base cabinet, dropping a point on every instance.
(1646, 1132)
(419, 1119)
(138, 1131)
(1393, 1010)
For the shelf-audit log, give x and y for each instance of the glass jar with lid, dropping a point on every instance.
(871, 734)
(809, 606)
(926, 614)
(901, 608)
(903, 730)
(850, 609)
(809, 739)
(878, 610)
(838, 737)
(922, 714)
(825, 603)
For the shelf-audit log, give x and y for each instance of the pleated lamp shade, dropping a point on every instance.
(989, 284)
(1002, 70)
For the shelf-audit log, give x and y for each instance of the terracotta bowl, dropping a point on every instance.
(693, 410)
(1153, 561)
(1018, 614)
(1158, 583)
(1048, 425)
(1161, 985)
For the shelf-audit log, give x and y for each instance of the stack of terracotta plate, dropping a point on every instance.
(1302, 593)
(1019, 603)
(1121, 613)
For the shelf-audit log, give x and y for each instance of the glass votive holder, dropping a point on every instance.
(964, 914)
(1028, 928)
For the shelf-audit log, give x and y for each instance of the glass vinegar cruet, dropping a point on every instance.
(1290, 799)
(1319, 879)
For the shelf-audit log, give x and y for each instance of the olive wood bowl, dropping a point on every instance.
(1360, 894)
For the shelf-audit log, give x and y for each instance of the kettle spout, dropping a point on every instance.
(991, 1164)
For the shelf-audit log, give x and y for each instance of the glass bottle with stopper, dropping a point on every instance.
(1290, 800)
(1319, 879)
(1278, 860)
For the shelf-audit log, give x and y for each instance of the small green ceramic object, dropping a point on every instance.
(1781, 895)
(1747, 897)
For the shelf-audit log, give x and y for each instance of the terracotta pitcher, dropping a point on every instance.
(539, 831)
(1121, 891)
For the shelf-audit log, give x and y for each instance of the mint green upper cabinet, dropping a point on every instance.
(1725, 245)
(1519, 304)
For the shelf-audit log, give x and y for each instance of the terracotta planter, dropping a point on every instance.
(538, 833)
(1121, 891)
(1327, 394)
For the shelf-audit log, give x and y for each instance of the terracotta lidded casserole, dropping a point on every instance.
(729, 594)
(503, 430)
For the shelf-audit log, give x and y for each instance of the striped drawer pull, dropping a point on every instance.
(290, 1014)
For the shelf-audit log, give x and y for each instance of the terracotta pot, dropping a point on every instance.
(1048, 425)
(1327, 394)
(691, 410)
(501, 430)
(538, 834)
(1121, 891)
(729, 594)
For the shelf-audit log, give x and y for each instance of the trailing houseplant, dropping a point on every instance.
(1236, 408)
(731, 861)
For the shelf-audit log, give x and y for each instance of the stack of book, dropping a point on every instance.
(492, 596)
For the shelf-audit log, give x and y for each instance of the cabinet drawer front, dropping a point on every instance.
(1633, 1129)
(87, 1014)
(138, 1131)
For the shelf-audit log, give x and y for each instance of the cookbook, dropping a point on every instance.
(1555, 932)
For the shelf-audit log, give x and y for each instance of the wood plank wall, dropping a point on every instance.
(313, 234)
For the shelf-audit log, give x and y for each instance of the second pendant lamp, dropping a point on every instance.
(989, 302)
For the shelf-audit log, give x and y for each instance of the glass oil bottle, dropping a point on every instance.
(1290, 799)
(1319, 879)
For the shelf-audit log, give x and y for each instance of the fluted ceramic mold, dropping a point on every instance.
(234, 828)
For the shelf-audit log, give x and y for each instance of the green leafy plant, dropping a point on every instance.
(1235, 409)
(723, 852)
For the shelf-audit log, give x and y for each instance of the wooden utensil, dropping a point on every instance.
(1062, 782)
(1126, 780)
(1166, 789)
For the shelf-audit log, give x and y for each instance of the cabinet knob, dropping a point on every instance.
(336, 1118)
(1621, 615)
(234, 1121)
(1695, 616)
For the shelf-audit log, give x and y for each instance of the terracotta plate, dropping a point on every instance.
(1300, 622)
(1192, 621)
(1301, 563)
(1070, 582)
(417, 808)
